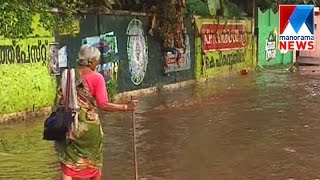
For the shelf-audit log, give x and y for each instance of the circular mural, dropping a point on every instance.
(137, 50)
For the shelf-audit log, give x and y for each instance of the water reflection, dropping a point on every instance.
(23, 155)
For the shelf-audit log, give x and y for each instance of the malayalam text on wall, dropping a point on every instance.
(31, 51)
(223, 44)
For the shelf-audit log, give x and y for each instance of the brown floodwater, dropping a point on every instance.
(263, 125)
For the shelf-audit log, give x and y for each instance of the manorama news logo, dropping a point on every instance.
(296, 27)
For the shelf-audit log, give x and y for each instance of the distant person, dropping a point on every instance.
(80, 156)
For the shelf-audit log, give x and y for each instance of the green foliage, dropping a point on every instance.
(274, 4)
(211, 7)
(231, 10)
(112, 89)
(16, 15)
(197, 7)
(266, 4)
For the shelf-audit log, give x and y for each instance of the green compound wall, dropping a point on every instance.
(26, 83)
(216, 62)
(268, 24)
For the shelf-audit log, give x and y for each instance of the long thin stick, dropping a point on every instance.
(134, 143)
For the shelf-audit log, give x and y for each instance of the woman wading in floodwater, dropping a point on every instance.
(81, 154)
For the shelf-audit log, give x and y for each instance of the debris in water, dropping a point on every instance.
(293, 68)
(244, 71)
(288, 149)
(161, 107)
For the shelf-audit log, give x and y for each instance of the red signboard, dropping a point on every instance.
(223, 36)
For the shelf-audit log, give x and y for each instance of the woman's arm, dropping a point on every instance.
(112, 107)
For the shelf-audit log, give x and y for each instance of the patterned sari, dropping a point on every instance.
(81, 154)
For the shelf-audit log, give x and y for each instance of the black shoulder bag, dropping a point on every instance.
(59, 122)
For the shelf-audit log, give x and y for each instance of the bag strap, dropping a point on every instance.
(68, 89)
(78, 79)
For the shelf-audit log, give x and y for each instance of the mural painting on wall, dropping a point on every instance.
(137, 50)
(107, 43)
(54, 58)
(18, 52)
(177, 59)
(271, 45)
(63, 58)
(217, 37)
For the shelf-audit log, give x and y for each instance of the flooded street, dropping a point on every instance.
(260, 126)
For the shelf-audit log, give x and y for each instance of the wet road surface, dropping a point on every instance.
(259, 126)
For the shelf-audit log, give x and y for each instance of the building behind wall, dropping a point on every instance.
(309, 61)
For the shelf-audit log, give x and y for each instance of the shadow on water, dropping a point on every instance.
(259, 126)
